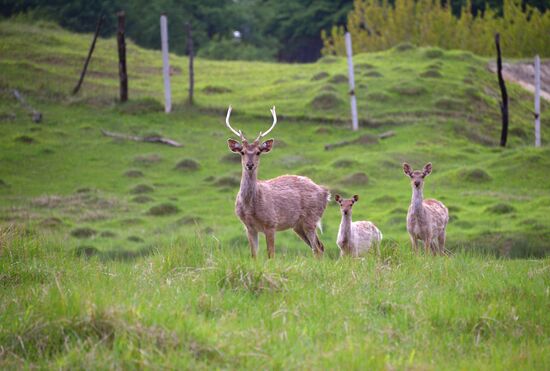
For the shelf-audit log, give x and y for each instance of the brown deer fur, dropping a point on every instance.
(285, 202)
(426, 219)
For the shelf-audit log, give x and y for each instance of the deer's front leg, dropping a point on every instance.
(253, 241)
(413, 243)
(270, 242)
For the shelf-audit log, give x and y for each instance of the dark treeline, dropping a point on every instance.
(284, 30)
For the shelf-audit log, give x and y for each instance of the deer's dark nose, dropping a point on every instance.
(249, 166)
(346, 212)
(417, 183)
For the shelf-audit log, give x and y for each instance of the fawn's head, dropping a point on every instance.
(417, 177)
(250, 152)
(346, 205)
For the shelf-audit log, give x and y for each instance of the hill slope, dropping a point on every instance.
(119, 253)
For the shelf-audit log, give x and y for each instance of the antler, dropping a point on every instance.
(239, 133)
(272, 126)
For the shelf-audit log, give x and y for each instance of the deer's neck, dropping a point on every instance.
(416, 202)
(248, 186)
(345, 230)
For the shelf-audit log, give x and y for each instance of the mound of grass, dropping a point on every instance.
(147, 159)
(320, 76)
(364, 66)
(252, 281)
(433, 74)
(140, 106)
(133, 174)
(228, 181)
(163, 209)
(328, 88)
(26, 139)
(3, 184)
(356, 179)
(374, 74)
(403, 47)
(449, 104)
(135, 239)
(86, 251)
(378, 97)
(326, 101)
(475, 175)
(338, 79)
(209, 90)
(187, 164)
(344, 163)
(519, 133)
(323, 130)
(141, 188)
(385, 199)
(51, 222)
(232, 158)
(501, 208)
(409, 90)
(107, 234)
(142, 199)
(433, 53)
(83, 232)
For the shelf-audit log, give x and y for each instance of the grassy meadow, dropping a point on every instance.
(119, 254)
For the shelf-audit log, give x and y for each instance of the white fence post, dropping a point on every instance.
(537, 101)
(354, 122)
(165, 63)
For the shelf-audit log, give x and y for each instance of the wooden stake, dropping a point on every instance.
(537, 101)
(191, 69)
(165, 63)
(353, 100)
(100, 22)
(123, 76)
(504, 102)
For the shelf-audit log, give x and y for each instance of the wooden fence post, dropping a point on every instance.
(191, 68)
(83, 73)
(165, 63)
(353, 99)
(537, 101)
(504, 102)
(123, 76)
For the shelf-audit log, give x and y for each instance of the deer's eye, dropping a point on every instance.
(258, 153)
(242, 152)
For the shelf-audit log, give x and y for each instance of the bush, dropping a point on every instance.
(226, 49)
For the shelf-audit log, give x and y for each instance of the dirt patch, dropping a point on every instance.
(367, 139)
(211, 90)
(501, 208)
(25, 139)
(319, 76)
(228, 181)
(141, 188)
(163, 210)
(148, 159)
(83, 232)
(433, 74)
(187, 164)
(356, 179)
(142, 199)
(74, 204)
(133, 174)
(326, 101)
(524, 75)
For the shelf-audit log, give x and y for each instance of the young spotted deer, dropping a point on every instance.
(355, 238)
(426, 219)
(285, 202)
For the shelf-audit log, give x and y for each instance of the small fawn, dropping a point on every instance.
(355, 238)
(426, 219)
(285, 202)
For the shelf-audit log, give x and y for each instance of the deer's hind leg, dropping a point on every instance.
(316, 244)
(441, 242)
(253, 241)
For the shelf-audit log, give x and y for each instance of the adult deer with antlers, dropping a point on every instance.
(285, 202)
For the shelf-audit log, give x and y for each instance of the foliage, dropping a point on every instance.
(378, 25)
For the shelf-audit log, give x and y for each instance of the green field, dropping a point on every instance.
(127, 254)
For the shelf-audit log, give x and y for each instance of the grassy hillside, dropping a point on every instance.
(118, 253)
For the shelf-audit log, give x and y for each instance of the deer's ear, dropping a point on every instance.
(337, 198)
(407, 169)
(266, 146)
(355, 198)
(427, 169)
(234, 146)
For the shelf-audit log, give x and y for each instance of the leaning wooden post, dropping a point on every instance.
(537, 101)
(504, 102)
(123, 76)
(165, 63)
(354, 123)
(83, 73)
(191, 56)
